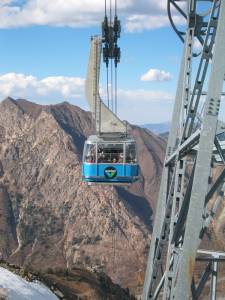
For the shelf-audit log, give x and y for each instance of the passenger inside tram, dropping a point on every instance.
(131, 154)
(90, 153)
(111, 153)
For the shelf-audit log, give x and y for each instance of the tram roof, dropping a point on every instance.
(97, 139)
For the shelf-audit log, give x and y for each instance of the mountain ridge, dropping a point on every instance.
(59, 220)
(157, 128)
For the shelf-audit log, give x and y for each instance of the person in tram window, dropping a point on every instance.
(101, 157)
(90, 157)
(130, 158)
(121, 158)
(114, 160)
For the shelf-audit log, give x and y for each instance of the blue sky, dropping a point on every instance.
(45, 46)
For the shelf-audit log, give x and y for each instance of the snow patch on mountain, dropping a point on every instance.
(18, 288)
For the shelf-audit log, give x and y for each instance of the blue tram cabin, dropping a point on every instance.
(110, 161)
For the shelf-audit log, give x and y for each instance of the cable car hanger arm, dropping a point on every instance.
(105, 120)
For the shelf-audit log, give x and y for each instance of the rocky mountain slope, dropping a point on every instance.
(18, 283)
(48, 217)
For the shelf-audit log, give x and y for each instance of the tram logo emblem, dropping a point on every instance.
(110, 172)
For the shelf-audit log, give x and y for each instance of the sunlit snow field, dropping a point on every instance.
(19, 289)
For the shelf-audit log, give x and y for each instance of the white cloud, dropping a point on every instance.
(138, 23)
(137, 106)
(137, 14)
(140, 96)
(56, 13)
(5, 2)
(156, 75)
(61, 88)
(55, 88)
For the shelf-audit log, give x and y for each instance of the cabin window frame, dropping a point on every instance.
(125, 148)
(110, 143)
(135, 153)
(85, 153)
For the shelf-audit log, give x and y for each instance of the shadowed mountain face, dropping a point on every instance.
(48, 217)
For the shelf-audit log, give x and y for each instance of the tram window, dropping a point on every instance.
(90, 156)
(131, 153)
(110, 153)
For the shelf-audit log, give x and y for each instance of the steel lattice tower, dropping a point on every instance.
(194, 150)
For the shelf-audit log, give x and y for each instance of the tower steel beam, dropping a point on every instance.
(182, 215)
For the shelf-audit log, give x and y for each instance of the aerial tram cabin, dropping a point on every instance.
(110, 160)
(110, 156)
